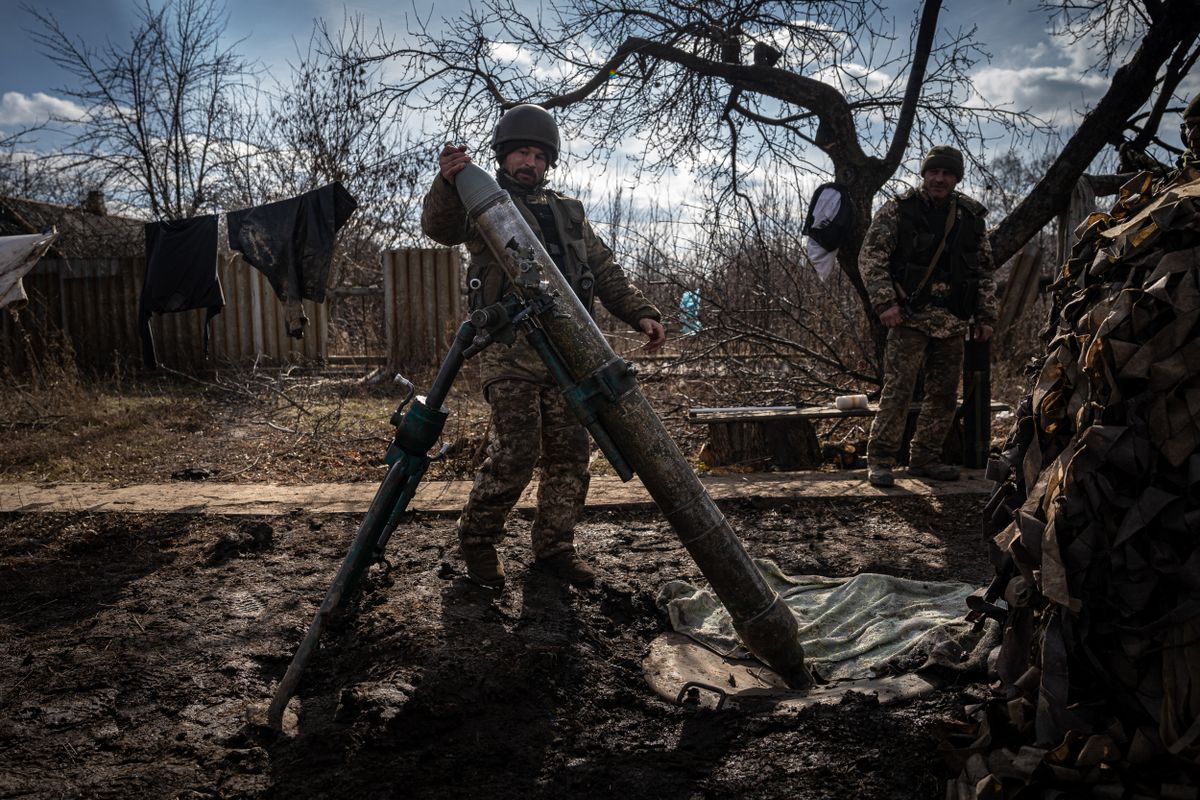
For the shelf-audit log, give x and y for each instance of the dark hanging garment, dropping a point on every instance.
(181, 274)
(291, 242)
(830, 218)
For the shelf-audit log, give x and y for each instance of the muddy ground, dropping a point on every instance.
(136, 646)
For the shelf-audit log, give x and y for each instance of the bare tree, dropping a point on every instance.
(1158, 39)
(25, 173)
(325, 121)
(768, 332)
(329, 121)
(152, 103)
(735, 84)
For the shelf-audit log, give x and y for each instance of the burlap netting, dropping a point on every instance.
(1095, 523)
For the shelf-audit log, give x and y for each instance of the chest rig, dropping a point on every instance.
(560, 222)
(951, 283)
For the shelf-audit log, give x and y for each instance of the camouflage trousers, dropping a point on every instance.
(532, 425)
(907, 350)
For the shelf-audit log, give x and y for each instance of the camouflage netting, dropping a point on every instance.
(1095, 523)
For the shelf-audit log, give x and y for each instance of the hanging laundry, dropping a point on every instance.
(18, 254)
(181, 274)
(828, 225)
(291, 242)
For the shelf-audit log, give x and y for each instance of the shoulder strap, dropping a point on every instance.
(951, 216)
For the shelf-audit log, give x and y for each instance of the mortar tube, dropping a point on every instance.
(763, 621)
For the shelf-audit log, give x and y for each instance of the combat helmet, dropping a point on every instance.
(523, 125)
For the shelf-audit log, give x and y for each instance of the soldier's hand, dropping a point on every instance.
(983, 332)
(891, 317)
(451, 161)
(655, 332)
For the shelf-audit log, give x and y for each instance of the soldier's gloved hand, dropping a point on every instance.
(655, 332)
(451, 161)
(983, 332)
(891, 317)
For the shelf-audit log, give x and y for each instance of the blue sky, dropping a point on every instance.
(1028, 67)
(271, 29)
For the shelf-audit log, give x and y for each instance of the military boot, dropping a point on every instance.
(934, 470)
(483, 564)
(880, 475)
(567, 566)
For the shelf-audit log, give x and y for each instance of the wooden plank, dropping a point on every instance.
(320, 336)
(450, 303)
(390, 306)
(243, 345)
(131, 352)
(766, 413)
(429, 321)
(412, 301)
(254, 317)
(785, 444)
(1021, 287)
(443, 330)
(222, 325)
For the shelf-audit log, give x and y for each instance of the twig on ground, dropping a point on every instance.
(251, 465)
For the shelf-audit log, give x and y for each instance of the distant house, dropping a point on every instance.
(86, 231)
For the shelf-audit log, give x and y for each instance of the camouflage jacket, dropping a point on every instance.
(883, 239)
(1187, 167)
(588, 265)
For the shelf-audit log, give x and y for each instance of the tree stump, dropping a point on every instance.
(770, 444)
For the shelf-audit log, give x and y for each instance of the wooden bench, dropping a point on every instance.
(780, 437)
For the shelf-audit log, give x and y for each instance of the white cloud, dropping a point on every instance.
(1057, 94)
(509, 53)
(1032, 55)
(21, 109)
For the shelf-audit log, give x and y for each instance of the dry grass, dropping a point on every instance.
(257, 426)
(241, 426)
(254, 427)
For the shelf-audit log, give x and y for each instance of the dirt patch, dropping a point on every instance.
(246, 427)
(135, 646)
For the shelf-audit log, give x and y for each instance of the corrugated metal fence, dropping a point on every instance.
(423, 303)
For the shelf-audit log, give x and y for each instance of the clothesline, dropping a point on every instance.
(290, 242)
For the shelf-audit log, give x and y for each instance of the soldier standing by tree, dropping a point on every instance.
(928, 267)
(531, 422)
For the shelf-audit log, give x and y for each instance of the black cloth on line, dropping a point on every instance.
(181, 274)
(291, 241)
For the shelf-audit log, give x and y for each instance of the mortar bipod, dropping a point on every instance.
(417, 430)
(587, 396)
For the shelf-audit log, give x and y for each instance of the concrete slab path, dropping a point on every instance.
(440, 497)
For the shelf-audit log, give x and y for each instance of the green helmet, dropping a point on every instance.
(525, 125)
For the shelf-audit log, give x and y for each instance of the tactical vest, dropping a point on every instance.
(559, 222)
(919, 232)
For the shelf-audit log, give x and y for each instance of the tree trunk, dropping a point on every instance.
(1131, 87)
(779, 444)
